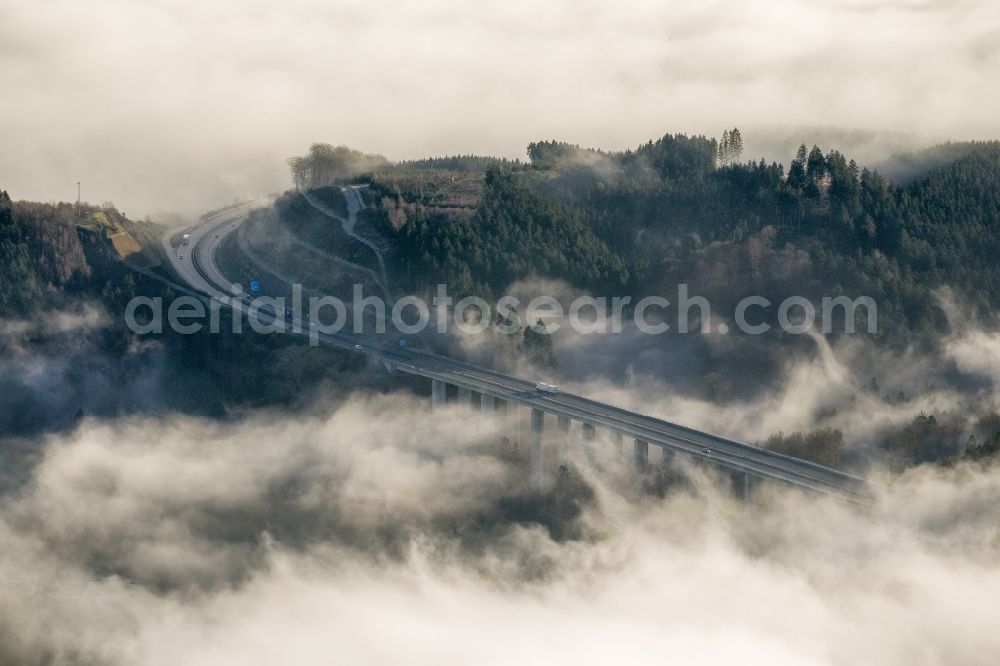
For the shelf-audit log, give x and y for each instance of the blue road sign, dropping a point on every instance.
(254, 287)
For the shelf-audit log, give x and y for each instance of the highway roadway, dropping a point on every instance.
(195, 264)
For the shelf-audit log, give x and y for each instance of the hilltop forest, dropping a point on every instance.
(690, 209)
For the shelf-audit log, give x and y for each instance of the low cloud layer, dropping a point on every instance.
(164, 106)
(62, 364)
(373, 535)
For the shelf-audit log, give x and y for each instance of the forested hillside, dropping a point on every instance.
(18, 286)
(637, 222)
(65, 350)
(691, 209)
(514, 233)
(48, 253)
(695, 210)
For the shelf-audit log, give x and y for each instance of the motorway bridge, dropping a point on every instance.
(195, 263)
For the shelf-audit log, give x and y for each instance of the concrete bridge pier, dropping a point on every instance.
(535, 458)
(464, 396)
(487, 404)
(745, 486)
(438, 389)
(640, 455)
(589, 433)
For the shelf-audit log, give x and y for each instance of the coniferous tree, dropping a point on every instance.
(815, 164)
(723, 154)
(797, 169)
(735, 145)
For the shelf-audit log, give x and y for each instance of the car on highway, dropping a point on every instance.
(707, 451)
(358, 347)
(542, 387)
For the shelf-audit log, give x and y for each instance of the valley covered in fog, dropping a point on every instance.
(692, 351)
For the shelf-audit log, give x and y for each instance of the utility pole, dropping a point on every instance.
(77, 201)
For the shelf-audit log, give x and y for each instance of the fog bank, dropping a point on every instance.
(370, 534)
